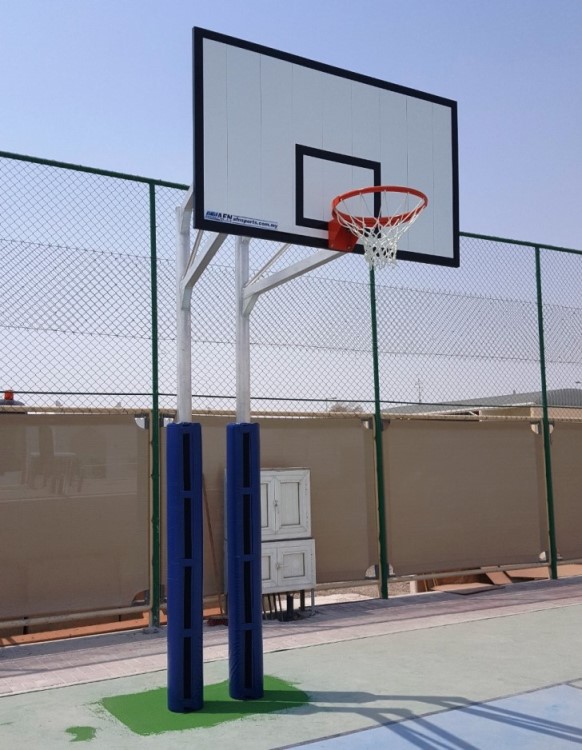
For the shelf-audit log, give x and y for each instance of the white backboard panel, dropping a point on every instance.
(277, 136)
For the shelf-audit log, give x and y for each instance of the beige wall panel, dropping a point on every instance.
(567, 481)
(342, 502)
(462, 495)
(334, 451)
(74, 513)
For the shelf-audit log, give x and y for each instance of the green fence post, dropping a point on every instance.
(553, 553)
(155, 526)
(383, 547)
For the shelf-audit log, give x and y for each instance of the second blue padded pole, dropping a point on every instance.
(243, 518)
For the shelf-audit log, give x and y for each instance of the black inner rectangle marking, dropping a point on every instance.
(316, 153)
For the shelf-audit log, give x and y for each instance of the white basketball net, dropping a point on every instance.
(379, 220)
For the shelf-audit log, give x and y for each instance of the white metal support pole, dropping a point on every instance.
(243, 339)
(183, 323)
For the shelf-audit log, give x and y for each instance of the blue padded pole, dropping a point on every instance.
(185, 582)
(243, 518)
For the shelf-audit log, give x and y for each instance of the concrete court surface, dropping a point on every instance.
(498, 669)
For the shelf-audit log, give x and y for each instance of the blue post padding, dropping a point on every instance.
(243, 519)
(185, 582)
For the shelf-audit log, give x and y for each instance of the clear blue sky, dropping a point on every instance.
(107, 83)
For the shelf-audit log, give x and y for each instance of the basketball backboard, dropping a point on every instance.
(277, 136)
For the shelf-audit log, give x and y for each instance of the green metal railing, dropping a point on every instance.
(379, 448)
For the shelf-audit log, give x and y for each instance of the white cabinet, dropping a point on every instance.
(288, 565)
(285, 504)
(287, 552)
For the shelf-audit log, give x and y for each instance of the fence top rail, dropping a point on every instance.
(522, 243)
(92, 170)
(31, 409)
(366, 419)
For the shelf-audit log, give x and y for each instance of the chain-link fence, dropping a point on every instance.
(88, 312)
(88, 318)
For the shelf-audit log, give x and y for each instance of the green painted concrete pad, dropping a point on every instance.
(147, 712)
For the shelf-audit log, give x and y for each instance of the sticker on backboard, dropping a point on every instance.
(228, 218)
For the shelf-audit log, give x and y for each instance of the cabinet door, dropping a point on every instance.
(268, 506)
(285, 504)
(296, 565)
(292, 504)
(288, 565)
(268, 568)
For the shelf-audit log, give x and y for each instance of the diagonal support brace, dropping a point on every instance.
(254, 289)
